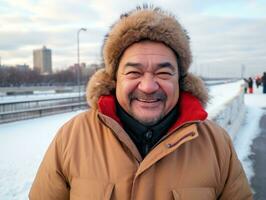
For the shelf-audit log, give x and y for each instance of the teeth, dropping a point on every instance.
(148, 101)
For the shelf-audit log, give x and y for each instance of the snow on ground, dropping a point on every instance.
(219, 94)
(23, 143)
(22, 147)
(250, 129)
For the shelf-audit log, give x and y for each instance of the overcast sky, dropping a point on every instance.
(225, 34)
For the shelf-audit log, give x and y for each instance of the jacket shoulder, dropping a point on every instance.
(214, 131)
(81, 124)
(80, 118)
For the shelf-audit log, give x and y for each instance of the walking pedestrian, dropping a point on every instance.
(250, 84)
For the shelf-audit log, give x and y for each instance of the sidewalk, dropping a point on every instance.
(258, 158)
(258, 147)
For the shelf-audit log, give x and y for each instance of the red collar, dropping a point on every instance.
(189, 109)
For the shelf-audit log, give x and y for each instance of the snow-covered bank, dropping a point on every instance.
(240, 116)
(227, 106)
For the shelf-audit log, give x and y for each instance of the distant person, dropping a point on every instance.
(258, 81)
(263, 80)
(250, 85)
(146, 136)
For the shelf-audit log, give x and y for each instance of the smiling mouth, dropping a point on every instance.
(148, 100)
(144, 98)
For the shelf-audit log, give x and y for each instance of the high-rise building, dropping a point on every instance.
(42, 60)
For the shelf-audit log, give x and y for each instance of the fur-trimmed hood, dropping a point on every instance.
(144, 24)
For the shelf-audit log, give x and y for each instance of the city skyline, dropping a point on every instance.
(224, 35)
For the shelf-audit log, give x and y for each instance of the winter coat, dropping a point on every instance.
(93, 158)
(250, 83)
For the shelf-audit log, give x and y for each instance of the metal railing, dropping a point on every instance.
(15, 111)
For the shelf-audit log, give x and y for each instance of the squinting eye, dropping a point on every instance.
(164, 75)
(133, 74)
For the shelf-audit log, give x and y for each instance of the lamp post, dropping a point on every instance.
(243, 68)
(78, 67)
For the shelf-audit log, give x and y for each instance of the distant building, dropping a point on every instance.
(42, 60)
(23, 67)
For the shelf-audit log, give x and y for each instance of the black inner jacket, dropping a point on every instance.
(145, 137)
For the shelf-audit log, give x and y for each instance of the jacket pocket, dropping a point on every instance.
(199, 193)
(86, 189)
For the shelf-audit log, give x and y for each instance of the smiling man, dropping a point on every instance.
(147, 75)
(146, 135)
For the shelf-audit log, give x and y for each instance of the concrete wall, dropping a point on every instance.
(231, 115)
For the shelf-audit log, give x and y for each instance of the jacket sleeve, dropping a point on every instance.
(50, 182)
(236, 184)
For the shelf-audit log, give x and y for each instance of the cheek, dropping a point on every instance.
(129, 85)
(124, 88)
(172, 91)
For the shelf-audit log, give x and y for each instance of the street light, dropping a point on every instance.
(78, 68)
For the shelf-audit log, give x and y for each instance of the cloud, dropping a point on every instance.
(221, 35)
(228, 39)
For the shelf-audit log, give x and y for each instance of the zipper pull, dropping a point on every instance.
(192, 134)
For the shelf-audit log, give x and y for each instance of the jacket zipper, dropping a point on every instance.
(192, 133)
(168, 134)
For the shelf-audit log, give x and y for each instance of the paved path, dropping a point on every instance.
(258, 182)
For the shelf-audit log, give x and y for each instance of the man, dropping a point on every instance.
(146, 135)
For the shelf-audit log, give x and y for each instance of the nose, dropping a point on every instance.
(148, 84)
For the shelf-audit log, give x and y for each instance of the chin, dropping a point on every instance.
(148, 121)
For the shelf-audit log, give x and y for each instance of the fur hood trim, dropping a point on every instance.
(145, 24)
(100, 84)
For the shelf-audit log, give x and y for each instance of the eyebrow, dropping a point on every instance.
(131, 64)
(160, 65)
(166, 64)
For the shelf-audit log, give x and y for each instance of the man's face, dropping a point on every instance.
(147, 81)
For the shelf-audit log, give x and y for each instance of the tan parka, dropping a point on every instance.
(92, 158)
